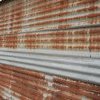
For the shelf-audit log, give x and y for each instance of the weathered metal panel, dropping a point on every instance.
(56, 37)
(78, 67)
(22, 84)
(54, 24)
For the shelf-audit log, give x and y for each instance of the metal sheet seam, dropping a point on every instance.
(50, 30)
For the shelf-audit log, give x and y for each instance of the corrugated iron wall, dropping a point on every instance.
(58, 38)
(21, 84)
(22, 21)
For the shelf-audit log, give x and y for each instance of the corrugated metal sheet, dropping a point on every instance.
(48, 24)
(58, 37)
(22, 84)
(58, 63)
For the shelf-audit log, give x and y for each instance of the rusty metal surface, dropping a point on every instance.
(23, 84)
(54, 24)
(58, 37)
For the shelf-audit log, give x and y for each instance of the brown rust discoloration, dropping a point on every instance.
(10, 41)
(23, 82)
(44, 15)
(62, 40)
(1, 41)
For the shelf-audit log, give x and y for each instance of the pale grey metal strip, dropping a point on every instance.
(79, 76)
(49, 52)
(53, 58)
(86, 54)
(54, 65)
(82, 67)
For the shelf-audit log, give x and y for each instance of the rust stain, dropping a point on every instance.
(30, 40)
(1, 41)
(29, 84)
(11, 41)
(41, 15)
